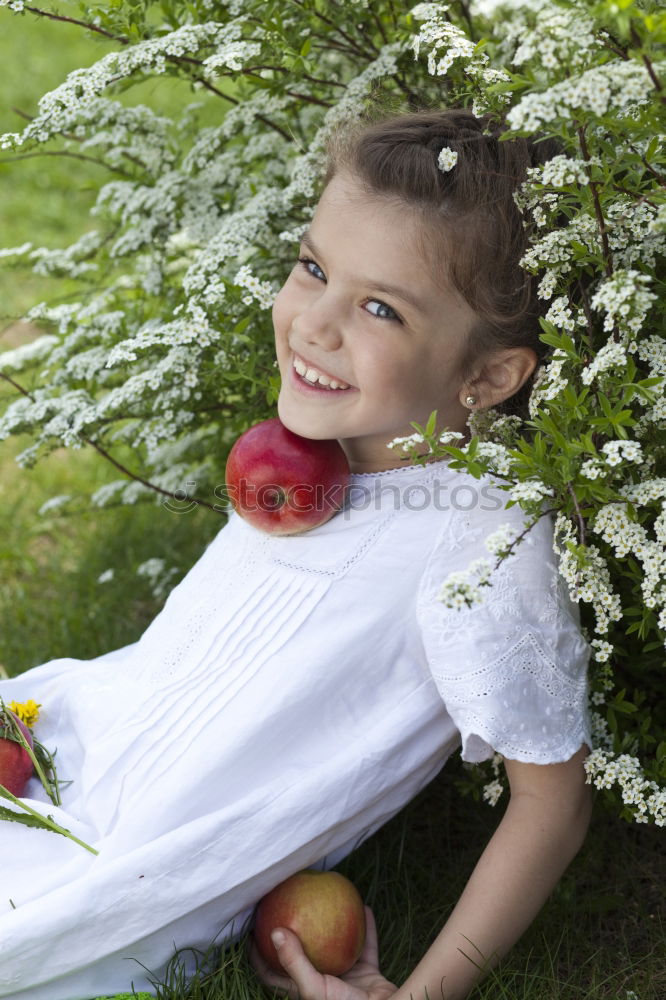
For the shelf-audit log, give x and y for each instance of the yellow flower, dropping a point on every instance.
(28, 712)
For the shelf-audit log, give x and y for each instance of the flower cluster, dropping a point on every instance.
(643, 797)
(448, 44)
(625, 299)
(261, 292)
(618, 86)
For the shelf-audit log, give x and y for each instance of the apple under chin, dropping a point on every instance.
(306, 388)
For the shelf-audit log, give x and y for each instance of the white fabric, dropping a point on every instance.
(293, 694)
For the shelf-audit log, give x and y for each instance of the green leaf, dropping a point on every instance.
(430, 426)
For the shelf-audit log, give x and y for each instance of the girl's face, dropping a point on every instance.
(395, 348)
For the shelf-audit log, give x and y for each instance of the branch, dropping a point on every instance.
(232, 100)
(380, 26)
(308, 98)
(579, 516)
(82, 24)
(601, 222)
(551, 510)
(139, 479)
(64, 152)
(586, 309)
(636, 39)
(350, 41)
(118, 465)
(648, 166)
(464, 8)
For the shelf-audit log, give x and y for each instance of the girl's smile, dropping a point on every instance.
(362, 357)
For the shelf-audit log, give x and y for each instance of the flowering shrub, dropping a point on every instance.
(168, 349)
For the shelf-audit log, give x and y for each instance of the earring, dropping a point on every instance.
(470, 401)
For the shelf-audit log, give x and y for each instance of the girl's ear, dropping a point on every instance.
(502, 375)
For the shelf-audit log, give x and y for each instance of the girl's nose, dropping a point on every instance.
(319, 323)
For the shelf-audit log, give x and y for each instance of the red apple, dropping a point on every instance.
(325, 911)
(15, 764)
(283, 483)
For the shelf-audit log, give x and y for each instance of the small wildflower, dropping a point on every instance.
(27, 712)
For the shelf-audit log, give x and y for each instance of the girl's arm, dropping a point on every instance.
(541, 831)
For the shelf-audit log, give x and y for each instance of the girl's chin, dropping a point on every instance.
(301, 423)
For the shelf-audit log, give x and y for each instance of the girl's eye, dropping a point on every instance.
(382, 305)
(305, 263)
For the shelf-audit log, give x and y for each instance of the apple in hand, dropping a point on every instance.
(325, 911)
(15, 764)
(283, 483)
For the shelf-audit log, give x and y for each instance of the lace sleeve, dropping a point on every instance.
(511, 670)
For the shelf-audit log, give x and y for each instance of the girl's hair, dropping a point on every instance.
(472, 231)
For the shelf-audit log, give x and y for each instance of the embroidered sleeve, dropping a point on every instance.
(511, 670)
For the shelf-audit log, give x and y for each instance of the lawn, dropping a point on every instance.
(602, 933)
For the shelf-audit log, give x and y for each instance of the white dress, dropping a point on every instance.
(292, 695)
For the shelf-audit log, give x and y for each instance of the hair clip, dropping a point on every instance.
(447, 159)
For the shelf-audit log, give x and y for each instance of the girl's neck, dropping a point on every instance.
(369, 467)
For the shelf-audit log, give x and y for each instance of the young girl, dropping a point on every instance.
(297, 691)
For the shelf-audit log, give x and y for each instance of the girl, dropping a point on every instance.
(296, 691)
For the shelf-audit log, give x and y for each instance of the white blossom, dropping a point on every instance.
(617, 85)
(625, 300)
(447, 159)
(643, 796)
(159, 577)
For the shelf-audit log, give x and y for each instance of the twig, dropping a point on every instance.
(73, 156)
(586, 309)
(232, 100)
(380, 26)
(114, 461)
(308, 98)
(636, 39)
(601, 222)
(350, 41)
(468, 18)
(82, 24)
(579, 516)
(648, 166)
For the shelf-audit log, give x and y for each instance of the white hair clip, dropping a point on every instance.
(447, 159)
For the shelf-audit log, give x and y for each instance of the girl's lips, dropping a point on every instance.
(308, 389)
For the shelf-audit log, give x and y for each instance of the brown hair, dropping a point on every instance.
(473, 232)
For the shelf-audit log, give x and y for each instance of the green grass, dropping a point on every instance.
(599, 936)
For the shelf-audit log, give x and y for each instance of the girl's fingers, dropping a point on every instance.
(370, 953)
(309, 983)
(269, 978)
(300, 981)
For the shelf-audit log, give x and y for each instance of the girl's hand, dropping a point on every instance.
(363, 982)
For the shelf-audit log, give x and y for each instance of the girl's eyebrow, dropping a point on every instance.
(377, 286)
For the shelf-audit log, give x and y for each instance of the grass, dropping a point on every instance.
(599, 937)
(602, 932)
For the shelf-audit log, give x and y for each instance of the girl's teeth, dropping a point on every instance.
(313, 376)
